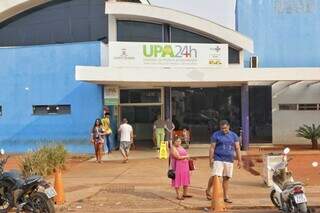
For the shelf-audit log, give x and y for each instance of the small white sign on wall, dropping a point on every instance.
(141, 54)
(111, 95)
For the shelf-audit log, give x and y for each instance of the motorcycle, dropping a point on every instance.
(31, 194)
(286, 194)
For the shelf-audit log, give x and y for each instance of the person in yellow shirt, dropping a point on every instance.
(107, 128)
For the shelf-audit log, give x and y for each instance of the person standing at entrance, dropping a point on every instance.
(224, 143)
(180, 164)
(126, 138)
(169, 127)
(107, 128)
(97, 139)
(158, 128)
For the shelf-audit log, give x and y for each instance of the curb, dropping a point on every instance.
(243, 207)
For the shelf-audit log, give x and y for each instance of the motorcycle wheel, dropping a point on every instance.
(41, 203)
(302, 208)
(5, 205)
(274, 200)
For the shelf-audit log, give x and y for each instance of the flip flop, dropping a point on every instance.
(187, 196)
(226, 200)
(180, 198)
(208, 195)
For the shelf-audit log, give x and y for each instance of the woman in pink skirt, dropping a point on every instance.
(180, 163)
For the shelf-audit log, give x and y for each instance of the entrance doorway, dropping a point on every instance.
(201, 109)
(141, 118)
(141, 107)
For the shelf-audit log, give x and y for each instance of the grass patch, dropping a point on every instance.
(44, 160)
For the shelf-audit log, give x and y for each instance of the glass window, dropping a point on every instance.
(51, 109)
(308, 106)
(179, 35)
(56, 22)
(288, 107)
(140, 114)
(201, 109)
(139, 31)
(140, 96)
(132, 1)
(260, 111)
(141, 118)
(183, 36)
(234, 56)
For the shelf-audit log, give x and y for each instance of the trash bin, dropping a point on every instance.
(270, 160)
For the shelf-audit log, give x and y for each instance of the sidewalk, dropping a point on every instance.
(196, 150)
(142, 184)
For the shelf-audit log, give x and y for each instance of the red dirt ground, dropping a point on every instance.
(300, 163)
(302, 169)
(72, 161)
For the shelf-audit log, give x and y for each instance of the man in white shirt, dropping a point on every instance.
(126, 138)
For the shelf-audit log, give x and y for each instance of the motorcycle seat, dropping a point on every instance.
(291, 184)
(32, 179)
(16, 176)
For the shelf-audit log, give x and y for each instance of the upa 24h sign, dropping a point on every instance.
(139, 54)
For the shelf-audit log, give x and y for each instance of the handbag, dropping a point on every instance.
(171, 174)
(191, 165)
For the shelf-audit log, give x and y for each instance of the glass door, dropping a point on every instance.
(201, 109)
(141, 107)
(141, 118)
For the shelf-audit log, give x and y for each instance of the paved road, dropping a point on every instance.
(142, 186)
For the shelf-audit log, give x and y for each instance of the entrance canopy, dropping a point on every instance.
(195, 77)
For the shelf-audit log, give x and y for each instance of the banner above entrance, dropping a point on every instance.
(140, 54)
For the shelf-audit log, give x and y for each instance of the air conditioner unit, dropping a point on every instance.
(254, 62)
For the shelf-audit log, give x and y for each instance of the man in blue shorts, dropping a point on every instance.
(224, 145)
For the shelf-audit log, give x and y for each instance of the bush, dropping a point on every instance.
(44, 160)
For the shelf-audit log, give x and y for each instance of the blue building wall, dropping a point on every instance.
(44, 75)
(285, 32)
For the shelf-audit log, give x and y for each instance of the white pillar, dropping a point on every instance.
(112, 28)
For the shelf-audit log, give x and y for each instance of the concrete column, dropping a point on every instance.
(112, 28)
(245, 116)
(167, 103)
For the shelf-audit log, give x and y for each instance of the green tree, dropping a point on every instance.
(311, 133)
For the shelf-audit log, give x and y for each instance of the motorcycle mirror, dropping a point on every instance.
(286, 150)
(315, 164)
(2, 151)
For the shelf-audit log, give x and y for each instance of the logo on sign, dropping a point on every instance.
(214, 57)
(171, 51)
(124, 55)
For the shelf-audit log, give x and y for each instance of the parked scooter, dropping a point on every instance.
(31, 194)
(286, 194)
